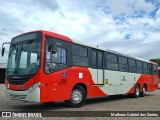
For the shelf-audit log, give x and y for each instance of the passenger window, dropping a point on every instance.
(94, 58)
(155, 71)
(80, 55)
(112, 62)
(139, 64)
(131, 62)
(79, 51)
(111, 58)
(123, 64)
(122, 60)
(139, 67)
(112, 66)
(100, 60)
(132, 65)
(145, 68)
(123, 68)
(150, 68)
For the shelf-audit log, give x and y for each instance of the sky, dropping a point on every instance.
(128, 26)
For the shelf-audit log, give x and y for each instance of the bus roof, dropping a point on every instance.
(111, 51)
(56, 35)
(53, 34)
(65, 38)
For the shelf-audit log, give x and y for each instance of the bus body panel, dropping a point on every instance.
(58, 85)
(24, 95)
(143, 80)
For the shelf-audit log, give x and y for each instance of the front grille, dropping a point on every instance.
(17, 82)
(17, 96)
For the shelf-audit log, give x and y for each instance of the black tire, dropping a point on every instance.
(143, 93)
(78, 97)
(136, 93)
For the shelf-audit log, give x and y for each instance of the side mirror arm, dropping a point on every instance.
(3, 48)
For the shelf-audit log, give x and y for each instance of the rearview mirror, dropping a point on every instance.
(54, 49)
(3, 50)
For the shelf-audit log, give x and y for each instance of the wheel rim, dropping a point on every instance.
(137, 91)
(76, 96)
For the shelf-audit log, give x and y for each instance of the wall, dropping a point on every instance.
(2, 75)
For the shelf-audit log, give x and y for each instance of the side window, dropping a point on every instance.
(155, 71)
(132, 65)
(80, 55)
(111, 58)
(94, 59)
(100, 60)
(145, 68)
(123, 64)
(60, 56)
(112, 62)
(76, 50)
(55, 61)
(150, 68)
(122, 60)
(139, 67)
(79, 51)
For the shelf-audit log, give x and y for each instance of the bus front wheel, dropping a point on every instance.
(78, 97)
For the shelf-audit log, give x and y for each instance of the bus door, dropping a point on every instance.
(125, 76)
(97, 67)
(57, 57)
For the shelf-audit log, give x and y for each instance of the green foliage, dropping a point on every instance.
(156, 60)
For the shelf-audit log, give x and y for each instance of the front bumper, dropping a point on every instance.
(33, 96)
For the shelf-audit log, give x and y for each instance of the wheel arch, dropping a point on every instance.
(138, 85)
(82, 85)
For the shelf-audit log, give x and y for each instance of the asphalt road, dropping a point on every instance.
(151, 102)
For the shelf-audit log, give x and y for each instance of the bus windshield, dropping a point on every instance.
(24, 58)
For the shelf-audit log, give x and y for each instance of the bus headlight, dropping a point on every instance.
(33, 87)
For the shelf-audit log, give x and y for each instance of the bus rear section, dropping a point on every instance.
(46, 67)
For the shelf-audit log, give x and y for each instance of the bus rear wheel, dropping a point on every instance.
(136, 93)
(143, 93)
(78, 97)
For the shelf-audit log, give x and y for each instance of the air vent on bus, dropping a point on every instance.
(19, 97)
(63, 81)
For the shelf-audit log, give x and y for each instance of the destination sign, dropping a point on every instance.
(26, 37)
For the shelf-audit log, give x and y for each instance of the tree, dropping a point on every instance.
(156, 60)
